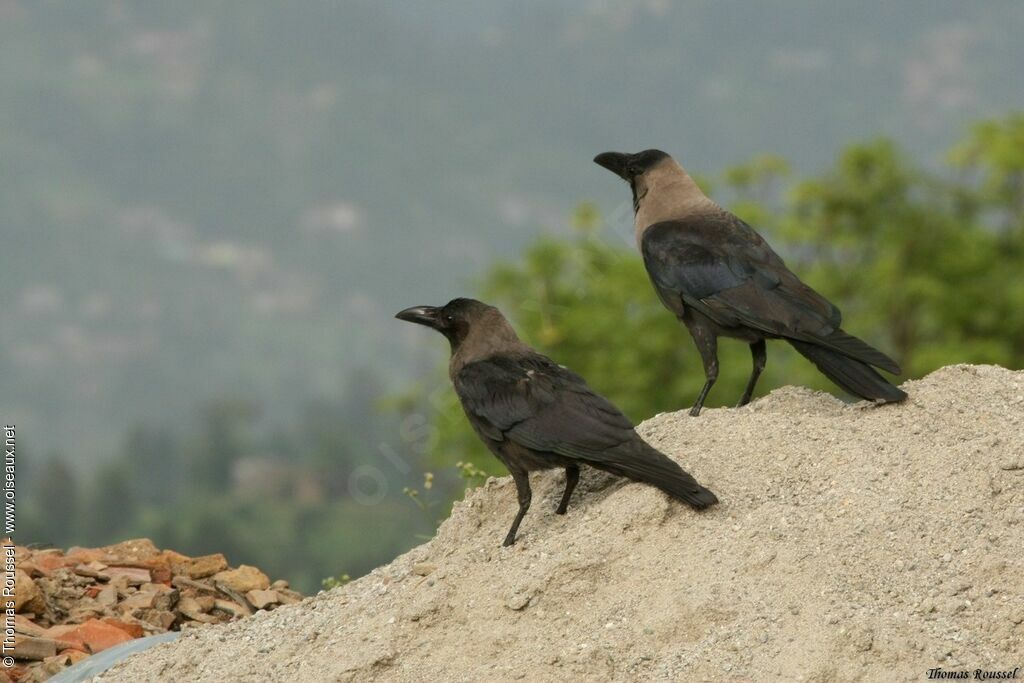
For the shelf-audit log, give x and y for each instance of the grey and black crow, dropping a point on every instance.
(534, 414)
(720, 277)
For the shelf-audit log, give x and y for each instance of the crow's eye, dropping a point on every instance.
(449, 318)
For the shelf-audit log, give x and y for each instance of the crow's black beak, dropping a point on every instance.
(421, 315)
(616, 162)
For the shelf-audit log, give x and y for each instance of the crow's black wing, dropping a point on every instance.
(717, 264)
(539, 404)
(720, 266)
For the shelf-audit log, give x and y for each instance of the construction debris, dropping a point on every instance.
(72, 605)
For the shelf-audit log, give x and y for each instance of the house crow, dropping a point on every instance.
(720, 277)
(534, 414)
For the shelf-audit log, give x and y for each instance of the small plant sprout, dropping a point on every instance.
(332, 582)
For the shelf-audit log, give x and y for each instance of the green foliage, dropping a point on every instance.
(414, 494)
(924, 266)
(473, 475)
(335, 581)
(919, 264)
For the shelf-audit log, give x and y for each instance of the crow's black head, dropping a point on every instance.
(629, 166)
(453, 320)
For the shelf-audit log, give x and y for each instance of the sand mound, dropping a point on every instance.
(851, 542)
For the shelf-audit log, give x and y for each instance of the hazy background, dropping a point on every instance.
(210, 211)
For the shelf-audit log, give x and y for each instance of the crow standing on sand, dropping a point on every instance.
(722, 279)
(534, 414)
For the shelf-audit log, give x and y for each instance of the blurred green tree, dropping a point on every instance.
(225, 438)
(154, 463)
(111, 507)
(53, 512)
(990, 196)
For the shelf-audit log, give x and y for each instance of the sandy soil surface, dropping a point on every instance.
(852, 543)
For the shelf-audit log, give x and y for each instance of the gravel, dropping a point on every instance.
(852, 542)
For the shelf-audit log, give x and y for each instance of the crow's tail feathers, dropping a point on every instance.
(644, 464)
(851, 346)
(856, 377)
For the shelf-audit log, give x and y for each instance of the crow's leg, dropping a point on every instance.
(707, 345)
(757, 350)
(522, 479)
(572, 475)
